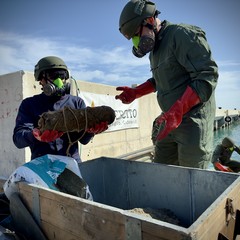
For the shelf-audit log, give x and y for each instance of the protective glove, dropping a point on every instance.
(47, 135)
(218, 166)
(130, 94)
(98, 128)
(173, 117)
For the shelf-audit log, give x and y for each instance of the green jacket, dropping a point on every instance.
(223, 155)
(182, 57)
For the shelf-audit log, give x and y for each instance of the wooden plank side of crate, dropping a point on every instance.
(2, 181)
(153, 229)
(158, 230)
(69, 217)
(54, 232)
(213, 220)
(63, 216)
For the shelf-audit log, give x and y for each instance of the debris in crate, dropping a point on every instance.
(69, 182)
(162, 214)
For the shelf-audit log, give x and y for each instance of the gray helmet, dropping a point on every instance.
(227, 142)
(133, 14)
(48, 63)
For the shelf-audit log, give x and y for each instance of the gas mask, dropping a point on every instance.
(56, 87)
(142, 45)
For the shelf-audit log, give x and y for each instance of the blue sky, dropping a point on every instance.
(85, 34)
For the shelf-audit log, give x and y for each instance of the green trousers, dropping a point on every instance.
(189, 145)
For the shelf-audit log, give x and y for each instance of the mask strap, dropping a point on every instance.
(148, 25)
(76, 85)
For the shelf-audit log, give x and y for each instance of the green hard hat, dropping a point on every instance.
(48, 63)
(227, 142)
(133, 14)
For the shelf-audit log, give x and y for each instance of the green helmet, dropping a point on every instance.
(48, 63)
(227, 142)
(133, 14)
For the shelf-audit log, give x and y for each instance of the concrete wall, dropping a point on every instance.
(13, 88)
(18, 85)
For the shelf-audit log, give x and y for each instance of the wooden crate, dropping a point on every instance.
(197, 197)
(2, 181)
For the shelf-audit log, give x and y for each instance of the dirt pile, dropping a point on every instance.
(162, 214)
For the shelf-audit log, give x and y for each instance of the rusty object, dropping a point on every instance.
(229, 211)
(232, 219)
(75, 120)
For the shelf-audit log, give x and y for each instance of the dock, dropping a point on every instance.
(224, 118)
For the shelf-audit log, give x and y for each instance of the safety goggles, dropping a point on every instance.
(56, 73)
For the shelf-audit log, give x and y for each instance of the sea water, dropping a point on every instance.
(232, 131)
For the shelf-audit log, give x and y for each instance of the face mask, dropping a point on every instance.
(142, 45)
(56, 88)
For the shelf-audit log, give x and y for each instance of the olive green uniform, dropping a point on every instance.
(182, 57)
(223, 155)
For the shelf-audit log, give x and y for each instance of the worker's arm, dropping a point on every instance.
(216, 162)
(47, 135)
(237, 149)
(219, 167)
(173, 118)
(22, 132)
(128, 94)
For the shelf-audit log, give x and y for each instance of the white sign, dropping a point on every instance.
(126, 114)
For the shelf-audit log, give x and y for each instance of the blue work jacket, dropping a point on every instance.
(27, 118)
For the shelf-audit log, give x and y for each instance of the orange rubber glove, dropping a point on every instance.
(173, 117)
(218, 166)
(47, 135)
(98, 128)
(130, 94)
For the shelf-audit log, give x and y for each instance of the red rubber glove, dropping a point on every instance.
(130, 94)
(98, 128)
(218, 166)
(173, 117)
(47, 135)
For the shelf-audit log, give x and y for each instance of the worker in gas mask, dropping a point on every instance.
(184, 75)
(222, 154)
(53, 75)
